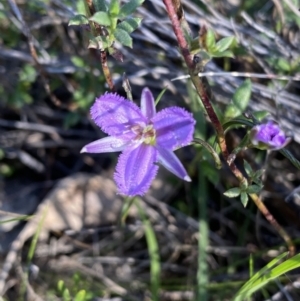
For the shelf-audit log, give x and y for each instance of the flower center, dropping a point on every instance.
(147, 134)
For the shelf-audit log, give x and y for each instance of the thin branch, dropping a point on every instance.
(103, 54)
(204, 93)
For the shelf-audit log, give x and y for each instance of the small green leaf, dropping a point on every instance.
(130, 24)
(242, 95)
(226, 53)
(258, 173)
(60, 286)
(233, 192)
(99, 42)
(260, 115)
(100, 5)
(254, 189)
(114, 8)
(101, 18)
(128, 8)
(210, 40)
(66, 295)
(123, 37)
(248, 168)
(80, 296)
(224, 44)
(283, 65)
(78, 20)
(231, 111)
(244, 198)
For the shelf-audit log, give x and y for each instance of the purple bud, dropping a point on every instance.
(268, 136)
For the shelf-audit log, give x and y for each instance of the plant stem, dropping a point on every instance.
(172, 7)
(103, 54)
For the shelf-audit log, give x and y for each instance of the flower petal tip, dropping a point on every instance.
(187, 178)
(83, 150)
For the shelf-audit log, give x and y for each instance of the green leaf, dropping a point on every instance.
(231, 111)
(80, 296)
(100, 5)
(233, 192)
(123, 37)
(114, 8)
(66, 295)
(224, 44)
(78, 20)
(128, 8)
(266, 275)
(248, 168)
(240, 100)
(260, 115)
(210, 40)
(60, 286)
(130, 24)
(254, 189)
(226, 53)
(283, 65)
(99, 42)
(160, 95)
(101, 18)
(244, 198)
(242, 95)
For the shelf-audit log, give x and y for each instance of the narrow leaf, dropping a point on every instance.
(100, 5)
(123, 37)
(80, 296)
(101, 18)
(260, 115)
(244, 198)
(128, 8)
(254, 189)
(226, 53)
(114, 8)
(210, 40)
(78, 20)
(224, 44)
(232, 192)
(242, 95)
(267, 274)
(248, 168)
(130, 24)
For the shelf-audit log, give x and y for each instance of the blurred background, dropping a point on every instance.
(59, 209)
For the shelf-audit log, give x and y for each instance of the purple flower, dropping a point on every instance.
(144, 137)
(268, 136)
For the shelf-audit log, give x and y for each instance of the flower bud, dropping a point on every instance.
(268, 136)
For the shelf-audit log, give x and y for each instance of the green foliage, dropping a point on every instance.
(66, 295)
(240, 100)
(101, 18)
(109, 17)
(100, 5)
(128, 8)
(271, 271)
(130, 24)
(123, 37)
(219, 49)
(233, 192)
(78, 20)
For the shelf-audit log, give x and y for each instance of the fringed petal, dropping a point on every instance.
(115, 114)
(174, 128)
(136, 170)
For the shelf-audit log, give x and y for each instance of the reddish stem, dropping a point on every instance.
(202, 92)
